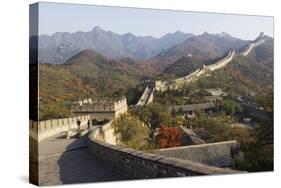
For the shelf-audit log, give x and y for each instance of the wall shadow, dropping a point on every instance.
(77, 165)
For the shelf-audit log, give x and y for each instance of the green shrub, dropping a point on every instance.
(130, 131)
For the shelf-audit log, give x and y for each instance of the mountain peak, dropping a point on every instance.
(97, 29)
(88, 54)
(205, 35)
(179, 32)
(261, 36)
(224, 34)
(129, 34)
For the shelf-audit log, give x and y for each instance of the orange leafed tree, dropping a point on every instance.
(169, 137)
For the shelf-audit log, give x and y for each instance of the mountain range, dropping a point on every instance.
(90, 72)
(186, 65)
(202, 47)
(60, 46)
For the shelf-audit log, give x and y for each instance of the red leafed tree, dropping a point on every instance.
(169, 137)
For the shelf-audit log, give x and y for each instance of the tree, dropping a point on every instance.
(230, 107)
(130, 131)
(258, 153)
(153, 115)
(174, 112)
(266, 100)
(169, 137)
(180, 111)
(54, 110)
(255, 143)
(203, 92)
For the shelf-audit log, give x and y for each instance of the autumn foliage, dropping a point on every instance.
(169, 137)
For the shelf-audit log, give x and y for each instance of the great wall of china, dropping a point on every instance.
(133, 164)
(58, 139)
(127, 163)
(179, 82)
(253, 44)
(159, 85)
(45, 129)
(146, 97)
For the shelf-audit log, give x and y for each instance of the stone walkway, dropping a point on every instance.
(63, 161)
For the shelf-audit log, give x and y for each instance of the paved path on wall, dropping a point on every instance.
(145, 96)
(64, 161)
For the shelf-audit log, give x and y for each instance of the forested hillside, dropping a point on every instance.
(87, 74)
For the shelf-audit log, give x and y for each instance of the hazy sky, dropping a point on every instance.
(55, 17)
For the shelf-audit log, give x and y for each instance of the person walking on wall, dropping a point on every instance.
(88, 123)
(78, 123)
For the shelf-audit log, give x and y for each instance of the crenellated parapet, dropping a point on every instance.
(101, 108)
(44, 129)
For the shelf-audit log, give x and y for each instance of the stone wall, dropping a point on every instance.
(143, 99)
(151, 96)
(100, 104)
(188, 77)
(100, 109)
(248, 49)
(140, 165)
(218, 154)
(179, 82)
(160, 85)
(222, 62)
(105, 133)
(252, 45)
(44, 129)
(104, 115)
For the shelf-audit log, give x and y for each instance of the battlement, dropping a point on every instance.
(101, 108)
(105, 104)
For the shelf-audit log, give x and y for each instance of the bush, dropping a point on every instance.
(130, 131)
(169, 137)
(256, 143)
(231, 107)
